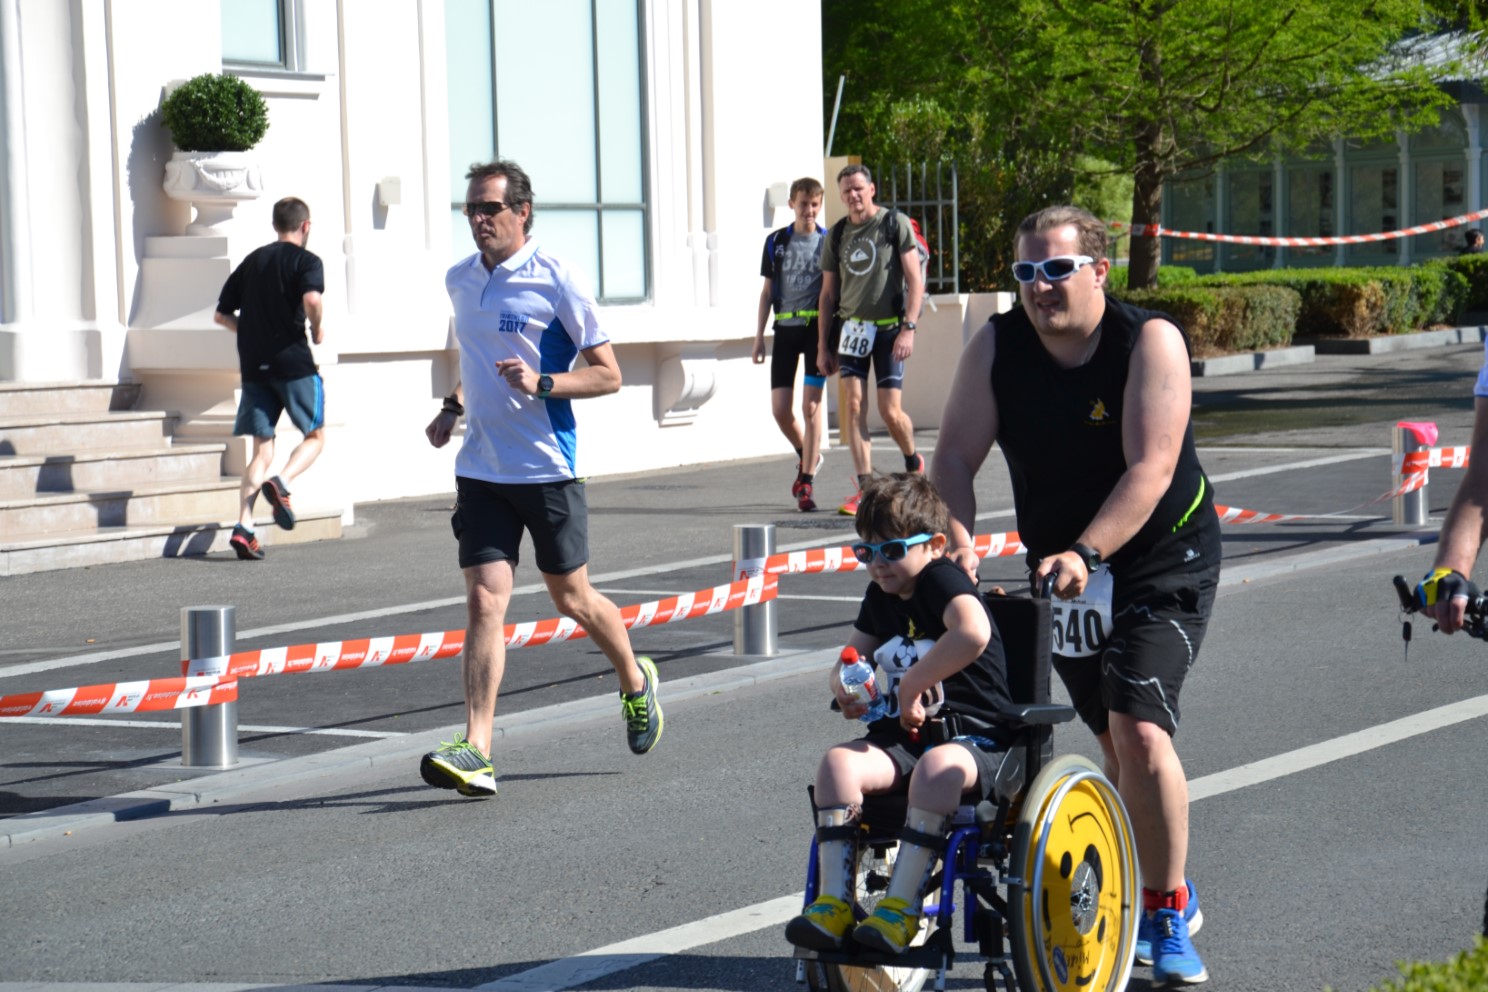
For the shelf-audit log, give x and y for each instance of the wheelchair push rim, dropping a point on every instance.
(1073, 894)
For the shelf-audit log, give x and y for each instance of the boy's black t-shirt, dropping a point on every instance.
(908, 628)
(267, 291)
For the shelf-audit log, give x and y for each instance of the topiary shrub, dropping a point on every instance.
(212, 113)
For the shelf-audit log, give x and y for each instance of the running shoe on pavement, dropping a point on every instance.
(1174, 960)
(245, 543)
(1146, 931)
(850, 508)
(642, 713)
(804, 502)
(822, 926)
(459, 765)
(278, 498)
(796, 486)
(890, 929)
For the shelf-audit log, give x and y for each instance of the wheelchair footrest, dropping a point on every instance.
(932, 954)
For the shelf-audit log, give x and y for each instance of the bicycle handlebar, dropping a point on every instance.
(1474, 620)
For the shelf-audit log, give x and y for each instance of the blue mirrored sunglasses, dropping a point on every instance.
(1056, 269)
(894, 550)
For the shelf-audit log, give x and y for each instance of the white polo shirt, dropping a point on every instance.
(530, 308)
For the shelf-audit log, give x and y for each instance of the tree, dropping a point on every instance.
(1159, 88)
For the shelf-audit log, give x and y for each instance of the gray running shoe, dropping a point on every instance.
(642, 712)
(459, 765)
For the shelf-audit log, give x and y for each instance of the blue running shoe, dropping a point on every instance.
(1191, 916)
(1174, 960)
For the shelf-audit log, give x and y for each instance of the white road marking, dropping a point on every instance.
(567, 973)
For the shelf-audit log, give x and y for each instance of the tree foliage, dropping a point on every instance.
(1030, 93)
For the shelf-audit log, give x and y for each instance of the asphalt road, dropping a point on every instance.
(1334, 779)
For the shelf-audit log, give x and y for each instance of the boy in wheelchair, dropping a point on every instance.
(933, 638)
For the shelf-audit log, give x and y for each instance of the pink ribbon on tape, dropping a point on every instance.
(1424, 431)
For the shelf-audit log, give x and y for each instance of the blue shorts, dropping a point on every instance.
(263, 402)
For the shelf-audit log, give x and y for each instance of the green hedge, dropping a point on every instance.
(1167, 276)
(1466, 972)
(1224, 319)
(1473, 268)
(1363, 302)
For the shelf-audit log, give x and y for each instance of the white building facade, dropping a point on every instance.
(659, 134)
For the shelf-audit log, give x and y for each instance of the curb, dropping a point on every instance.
(1252, 361)
(1400, 342)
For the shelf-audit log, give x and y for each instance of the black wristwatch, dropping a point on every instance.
(908, 325)
(544, 386)
(1088, 555)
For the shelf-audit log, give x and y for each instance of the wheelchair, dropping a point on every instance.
(1044, 873)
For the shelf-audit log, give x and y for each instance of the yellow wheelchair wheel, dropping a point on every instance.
(1073, 890)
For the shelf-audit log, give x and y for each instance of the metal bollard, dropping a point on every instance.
(754, 626)
(1408, 508)
(209, 734)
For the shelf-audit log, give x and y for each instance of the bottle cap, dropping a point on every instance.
(849, 655)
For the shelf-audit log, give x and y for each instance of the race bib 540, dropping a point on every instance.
(1082, 624)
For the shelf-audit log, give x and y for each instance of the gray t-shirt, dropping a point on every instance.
(800, 277)
(868, 268)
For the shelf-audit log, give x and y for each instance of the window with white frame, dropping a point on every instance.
(558, 88)
(261, 34)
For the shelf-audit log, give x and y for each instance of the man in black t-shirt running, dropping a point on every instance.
(266, 302)
(1088, 398)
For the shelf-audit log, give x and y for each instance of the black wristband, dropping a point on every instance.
(453, 405)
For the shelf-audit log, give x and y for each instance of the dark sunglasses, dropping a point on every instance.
(487, 208)
(1056, 269)
(894, 550)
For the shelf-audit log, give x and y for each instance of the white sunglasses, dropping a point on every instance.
(1056, 269)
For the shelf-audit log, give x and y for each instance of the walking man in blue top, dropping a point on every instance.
(521, 321)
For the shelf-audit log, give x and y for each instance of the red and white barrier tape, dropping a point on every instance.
(1157, 230)
(1411, 466)
(123, 697)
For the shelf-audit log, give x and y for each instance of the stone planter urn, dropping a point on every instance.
(214, 183)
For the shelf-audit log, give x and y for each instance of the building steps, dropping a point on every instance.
(87, 480)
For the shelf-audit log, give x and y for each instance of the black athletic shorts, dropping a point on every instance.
(489, 519)
(905, 754)
(792, 343)
(1154, 642)
(888, 370)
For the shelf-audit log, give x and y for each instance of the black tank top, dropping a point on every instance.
(1060, 431)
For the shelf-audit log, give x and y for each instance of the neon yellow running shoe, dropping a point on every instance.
(822, 925)
(890, 929)
(459, 765)
(642, 713)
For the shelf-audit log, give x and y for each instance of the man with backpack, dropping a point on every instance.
(791, 267)
(872, 290)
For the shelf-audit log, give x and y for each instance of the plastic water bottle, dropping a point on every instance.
(859, 683)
